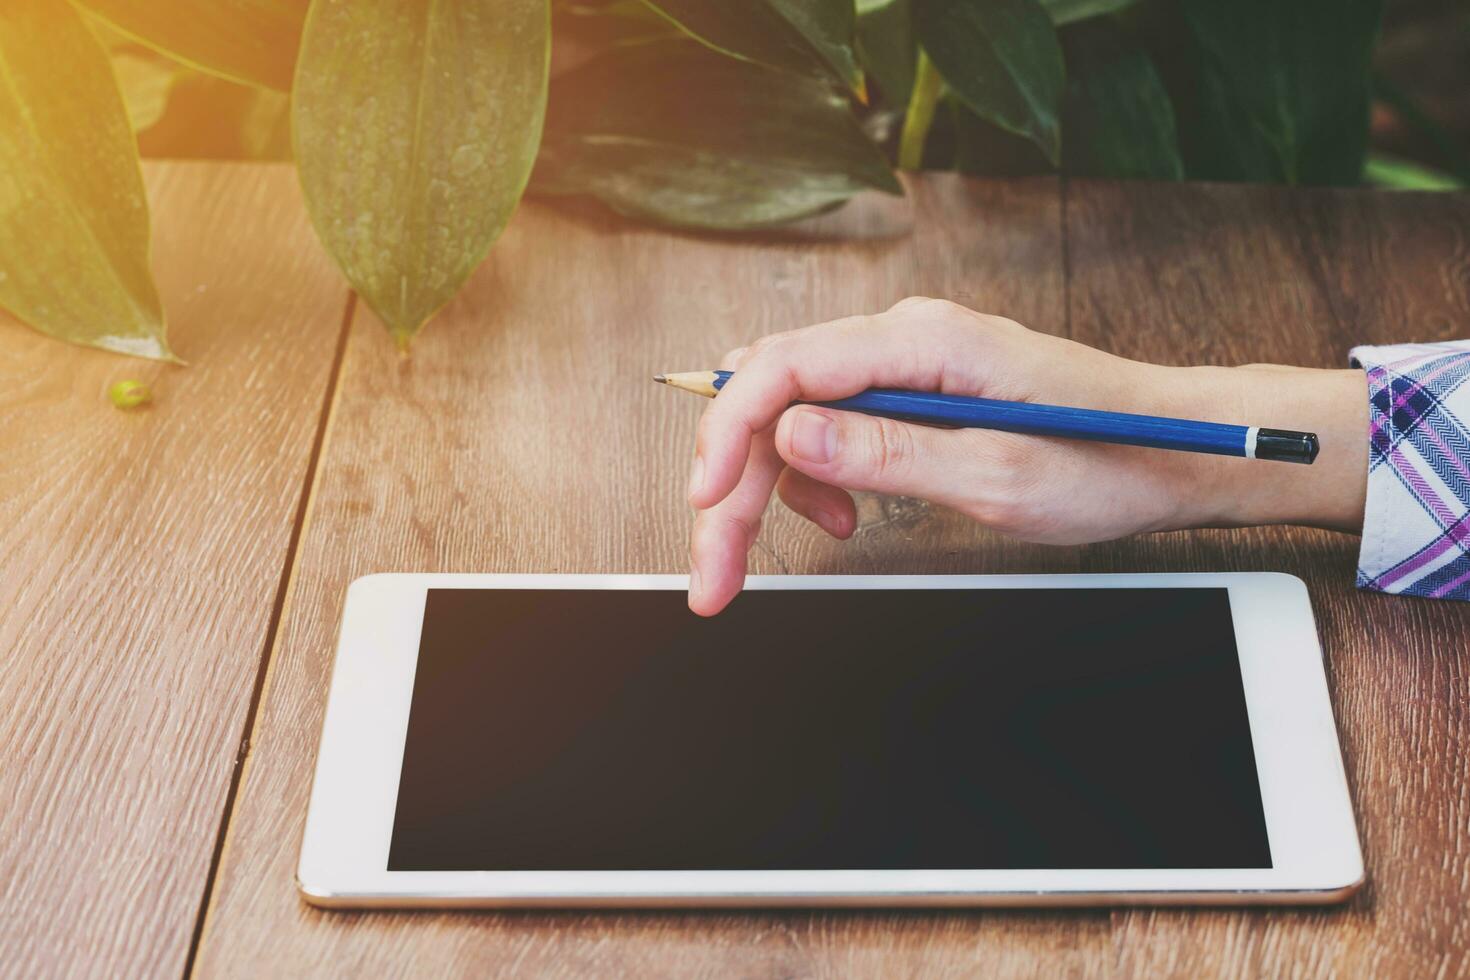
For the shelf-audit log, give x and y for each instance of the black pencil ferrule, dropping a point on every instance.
(1286, 446)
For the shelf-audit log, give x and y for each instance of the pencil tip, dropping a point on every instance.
(661, 379)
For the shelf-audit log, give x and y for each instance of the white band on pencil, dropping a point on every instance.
(1250, 441)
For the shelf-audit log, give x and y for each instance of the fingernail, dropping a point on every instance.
(826, 520)
(696, 475)
(814, 437)
(693, 580)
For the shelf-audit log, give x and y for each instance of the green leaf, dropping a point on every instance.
(415, 127)
(591, 26)
(732, 145)
(245, 40)
(1002, 58)
(1298, 70)
(887, 48)
(983, 149)
(73, 215)
(1118, 117)
(1218, 137)
(1394, 173)
(1071, 11)
(798, 35)
(145, 81)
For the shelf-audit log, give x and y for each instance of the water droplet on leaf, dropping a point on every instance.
(466, 160)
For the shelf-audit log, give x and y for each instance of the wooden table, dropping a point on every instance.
(171, 580)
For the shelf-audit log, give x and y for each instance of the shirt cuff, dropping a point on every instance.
(1416, 524)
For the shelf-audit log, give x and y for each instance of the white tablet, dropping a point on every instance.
(557, 740)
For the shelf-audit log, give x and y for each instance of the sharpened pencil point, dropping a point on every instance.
(698, 382)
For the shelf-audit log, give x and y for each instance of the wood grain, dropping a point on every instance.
(467, 456)
(470, 455)
(142, 553)
(1200, 274)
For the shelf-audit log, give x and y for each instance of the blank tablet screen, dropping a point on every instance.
(842, 729)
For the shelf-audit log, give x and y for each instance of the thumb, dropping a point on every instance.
(863, 452)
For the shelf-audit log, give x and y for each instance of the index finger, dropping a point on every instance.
(820, 363)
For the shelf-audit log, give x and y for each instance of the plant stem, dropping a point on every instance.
(920, 116)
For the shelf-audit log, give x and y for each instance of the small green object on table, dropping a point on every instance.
(129, 394)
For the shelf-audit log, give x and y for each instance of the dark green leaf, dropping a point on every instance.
(1118, 118)
(1298, 70)
(800, 35)
(732, 145)
(1070, 11)
(984, 149)
(1217, 139)
(1002, 58)
(887, 47)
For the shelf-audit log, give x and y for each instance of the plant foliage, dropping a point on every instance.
(415, 128)
(739, 146)
(1003, 60)
(798, 35)
(415, 124)
(73, 218)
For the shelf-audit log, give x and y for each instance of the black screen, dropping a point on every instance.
(615, 730)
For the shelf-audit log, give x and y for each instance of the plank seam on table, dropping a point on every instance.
(278, 606)
(1062, 189)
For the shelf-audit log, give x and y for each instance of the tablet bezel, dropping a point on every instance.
(1308, 812)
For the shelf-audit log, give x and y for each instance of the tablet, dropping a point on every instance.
(559, 740)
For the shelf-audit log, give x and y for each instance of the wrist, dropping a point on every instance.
(1233, 492)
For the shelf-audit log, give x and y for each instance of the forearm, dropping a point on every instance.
(1228, 492)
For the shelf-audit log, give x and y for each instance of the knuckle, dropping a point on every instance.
(891, 450)
(912, 303)
(764, 346)
(999, 324)
(701, 536)
(732, 359)
(713, 527)
(741, 528)
(940, 315)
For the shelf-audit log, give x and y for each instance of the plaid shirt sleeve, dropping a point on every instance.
(1416, 528)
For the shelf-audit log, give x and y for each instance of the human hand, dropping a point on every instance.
(1057, 491)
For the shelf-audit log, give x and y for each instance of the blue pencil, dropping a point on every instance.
(960, 411)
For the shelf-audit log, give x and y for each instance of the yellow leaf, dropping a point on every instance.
(246, 40)
(73, 216)
(265, 126)
(415, 128)
(144, 82)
